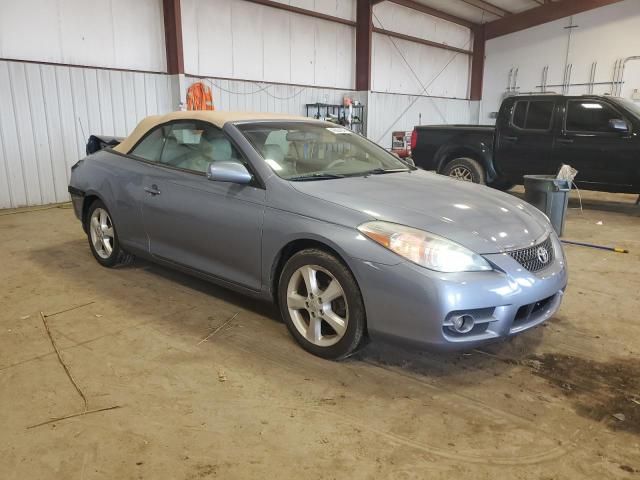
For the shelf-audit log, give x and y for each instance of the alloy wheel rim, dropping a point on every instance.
(462, 174)
(101, 231)
(317, 305)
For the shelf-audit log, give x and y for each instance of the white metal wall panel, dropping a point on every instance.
(338, 8)
(84, 32)
(15, 181)
(396, 18)
(254, 42)
(249, 96)
(47, 114)
(303, 36)
(445, 73)
(392, 112)
(597, 38)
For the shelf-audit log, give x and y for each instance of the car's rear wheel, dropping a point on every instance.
(103, 238)
(466, 170)
(321, 304)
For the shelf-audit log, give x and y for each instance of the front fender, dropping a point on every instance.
(281, 228)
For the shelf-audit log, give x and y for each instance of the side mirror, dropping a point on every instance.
(230, 172)
(618, 125)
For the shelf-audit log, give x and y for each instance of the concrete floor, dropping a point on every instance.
(248, 403)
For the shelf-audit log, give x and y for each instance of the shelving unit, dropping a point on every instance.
(337, 113)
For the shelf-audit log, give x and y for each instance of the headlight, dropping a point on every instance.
(426, 249)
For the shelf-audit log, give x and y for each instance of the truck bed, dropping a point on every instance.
(458, 127)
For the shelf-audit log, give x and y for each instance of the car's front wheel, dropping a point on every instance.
(103, 239)
(321, 304)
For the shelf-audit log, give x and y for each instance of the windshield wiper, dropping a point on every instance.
(315, 176)
(382, 171)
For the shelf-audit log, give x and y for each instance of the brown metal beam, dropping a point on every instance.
(477, 63)
(433, 12)
(488, 7)
(539, 15)
(173, 36)
(303, 11)
(364, 34)
(422, 41)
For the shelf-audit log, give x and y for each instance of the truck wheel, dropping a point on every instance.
(466, 170)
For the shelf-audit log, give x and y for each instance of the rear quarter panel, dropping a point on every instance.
(439, 144)
(117, 181)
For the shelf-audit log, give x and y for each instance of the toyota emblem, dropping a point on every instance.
(543, 255)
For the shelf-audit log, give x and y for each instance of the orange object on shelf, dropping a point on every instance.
(199, 97)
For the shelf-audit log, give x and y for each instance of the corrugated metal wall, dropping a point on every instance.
(392, 112)
(268, 97)
(255, 42)
(48, 111)
(105, 33)
(46, 114)
(396, 63)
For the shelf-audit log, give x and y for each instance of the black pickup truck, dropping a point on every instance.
(535, 134)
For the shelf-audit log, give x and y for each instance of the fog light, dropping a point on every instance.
(462, 323)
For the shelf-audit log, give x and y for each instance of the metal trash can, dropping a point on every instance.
(550, 195)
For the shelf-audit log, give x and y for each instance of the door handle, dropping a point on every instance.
(564, 140)
(153, 190)
(507, 138)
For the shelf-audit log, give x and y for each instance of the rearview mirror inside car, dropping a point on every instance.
(618, 125)
(231, 172)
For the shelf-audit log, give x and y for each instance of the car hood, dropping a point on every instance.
(477, 217)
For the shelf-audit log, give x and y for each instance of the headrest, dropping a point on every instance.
(273, 152)
(220, 149)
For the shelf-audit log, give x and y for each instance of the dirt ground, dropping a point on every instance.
(561, 401)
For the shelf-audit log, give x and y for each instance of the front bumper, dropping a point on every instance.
(411, 304)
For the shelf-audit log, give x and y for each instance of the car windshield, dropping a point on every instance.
(316, 151)
(629, 105)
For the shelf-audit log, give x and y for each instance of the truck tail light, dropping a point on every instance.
(414, 139)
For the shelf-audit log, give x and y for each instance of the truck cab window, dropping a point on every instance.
(539, 115)
(533, 115)
(589, 116)
(520, 114)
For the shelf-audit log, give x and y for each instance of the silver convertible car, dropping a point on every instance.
(347, 239)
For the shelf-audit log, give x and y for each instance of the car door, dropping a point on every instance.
(524, 139)
(602, 155)
(212, 227)
(127, 174)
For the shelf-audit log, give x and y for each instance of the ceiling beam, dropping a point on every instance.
(433, 12)
(422, 41)
(488, 7)
(539, 15)
(303, 11)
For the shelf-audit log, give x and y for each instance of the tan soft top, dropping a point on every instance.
(216, 117)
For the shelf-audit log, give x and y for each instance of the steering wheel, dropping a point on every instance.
(336, 162)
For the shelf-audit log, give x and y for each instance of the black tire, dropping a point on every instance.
(503, 185)
(466, 166)
(117, 256)
(353, 304)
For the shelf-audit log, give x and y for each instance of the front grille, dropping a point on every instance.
(532, 258)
